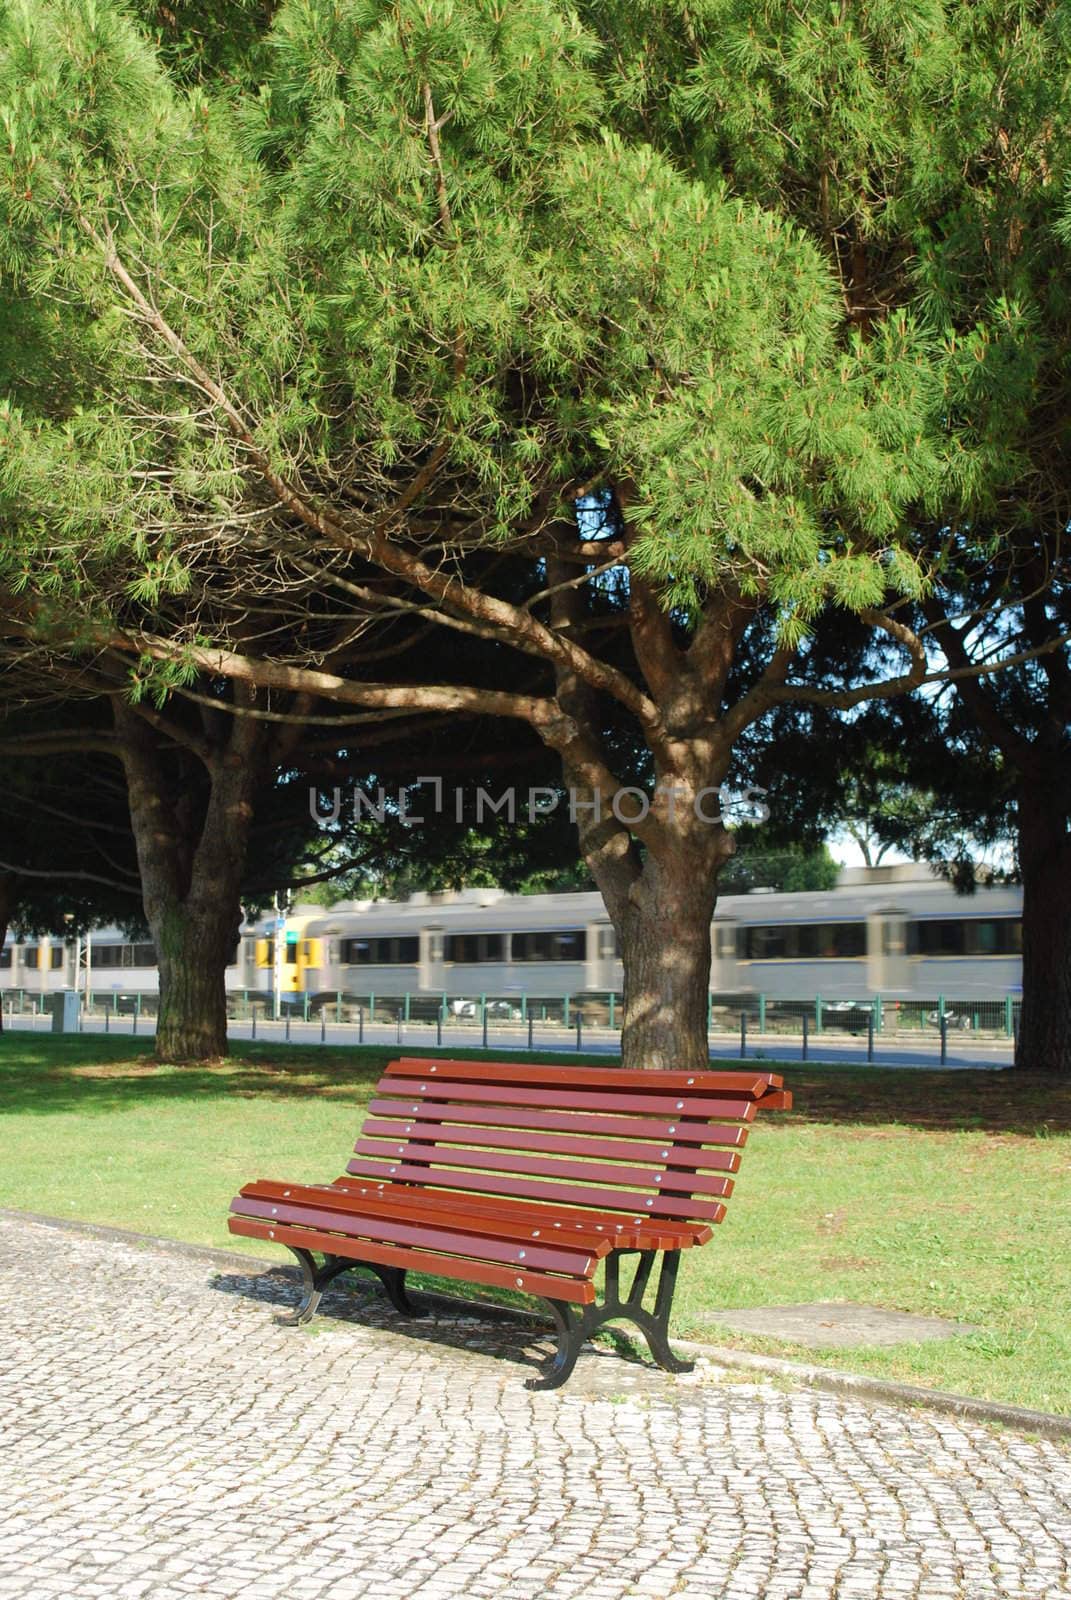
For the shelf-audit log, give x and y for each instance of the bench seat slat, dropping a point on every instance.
(528, 1254)
(510, 1161)
(465, 1213)
(569, 1194)
(750, 1085)
(551, 1287)
(403, 1204)
(417, 1129)
(625, 1232)
(699, 1131)
(670, 1105)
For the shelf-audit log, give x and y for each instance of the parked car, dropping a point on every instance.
(953, 1019)
(470, 1009)
(851, 1015)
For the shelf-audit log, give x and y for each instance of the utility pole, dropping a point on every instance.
(279, 956)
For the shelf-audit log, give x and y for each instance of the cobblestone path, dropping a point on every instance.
(160, 1437)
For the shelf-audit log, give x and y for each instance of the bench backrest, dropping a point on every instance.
(652, 1144)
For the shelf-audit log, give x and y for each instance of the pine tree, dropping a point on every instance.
(461, 316)
(925, 150)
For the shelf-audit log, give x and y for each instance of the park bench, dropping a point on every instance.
(525, 1178)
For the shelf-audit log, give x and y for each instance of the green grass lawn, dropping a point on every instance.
(944, 1193)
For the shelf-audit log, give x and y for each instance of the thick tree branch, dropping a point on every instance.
(515, 625)
(980, 704)
(69, 875)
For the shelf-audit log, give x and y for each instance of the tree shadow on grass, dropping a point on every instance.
(90, 1074)
(93, 1075)
(960, 1100)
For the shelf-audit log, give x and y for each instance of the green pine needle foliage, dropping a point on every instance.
(627, 262)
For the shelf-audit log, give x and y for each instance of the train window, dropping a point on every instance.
(56, 953)
(30, 956)
(966, 936)
(380, 952)
(765, 944)
(803, 941)
(123, 955)
(564, 945)
(475, 947)
(943, 937)
(290, 957)
(996, 936)
(5, 956)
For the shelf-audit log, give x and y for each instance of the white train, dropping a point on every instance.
(896, 932)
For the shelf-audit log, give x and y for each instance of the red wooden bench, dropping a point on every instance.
(525, 1177)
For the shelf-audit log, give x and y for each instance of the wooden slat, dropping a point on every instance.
(569, 1194)
(682, 1129)
(423, 1235)
(440, 1134)
(750, 1085)
(777, 1100)
(410, 1203)
(552, 1287)
(490, 1094)
(563, 1171)
(623, 1231)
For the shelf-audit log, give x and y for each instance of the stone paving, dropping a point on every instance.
(162, 1438)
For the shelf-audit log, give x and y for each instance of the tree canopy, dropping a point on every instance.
(622, 346)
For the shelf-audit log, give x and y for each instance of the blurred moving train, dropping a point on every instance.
(897, 932)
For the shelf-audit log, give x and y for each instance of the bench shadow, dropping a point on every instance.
(522, 1339)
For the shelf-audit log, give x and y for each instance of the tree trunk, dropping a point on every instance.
(1045, 862)
(194, 944)
(665, 949)
(7, 906)
(191, 843)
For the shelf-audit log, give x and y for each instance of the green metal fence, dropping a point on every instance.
(596, 1012)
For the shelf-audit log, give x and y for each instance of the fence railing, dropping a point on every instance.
(598, 1013)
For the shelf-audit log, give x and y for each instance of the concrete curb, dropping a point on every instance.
(861, 1386)
(857, 1386)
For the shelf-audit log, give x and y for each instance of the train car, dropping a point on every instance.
(904, 935)
(897, 932)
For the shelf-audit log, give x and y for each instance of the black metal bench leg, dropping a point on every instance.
(657, 1329)
(572, 1332)
(310, 1292)
(393, 1281)
(314, 1281)
(654, 1325)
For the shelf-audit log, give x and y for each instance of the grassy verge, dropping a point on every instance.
(941, 1193)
